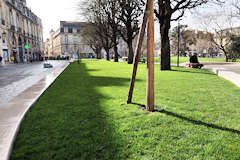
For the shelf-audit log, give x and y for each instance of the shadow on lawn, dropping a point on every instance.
(196, 122)
(78, 124)
(193, 71)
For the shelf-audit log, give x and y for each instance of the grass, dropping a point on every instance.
(81, 116)
(186, 59)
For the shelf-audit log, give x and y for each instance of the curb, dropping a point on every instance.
(14, 119)
(226, 74)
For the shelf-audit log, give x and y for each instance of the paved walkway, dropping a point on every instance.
(229, 71)
(12, 113)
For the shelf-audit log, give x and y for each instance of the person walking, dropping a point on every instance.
(1, 58)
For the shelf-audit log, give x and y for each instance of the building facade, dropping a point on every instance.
(21, 35)
(67, 41)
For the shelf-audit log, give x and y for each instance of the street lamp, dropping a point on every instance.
(178, 52)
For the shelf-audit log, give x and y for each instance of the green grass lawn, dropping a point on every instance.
(81, 116)
(186, 59)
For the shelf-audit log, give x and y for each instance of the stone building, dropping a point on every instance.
(67, 41)
(21, 36)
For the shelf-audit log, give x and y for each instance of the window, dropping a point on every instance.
(11, 17)
(23, 25)
(75, 39)
(6, 15)
(27, 27)
(62, 30)
(17, 21)
(70, 30)
(66, 39)
(3, 37)
(31, 28)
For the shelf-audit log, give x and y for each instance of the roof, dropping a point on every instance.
(72, 24)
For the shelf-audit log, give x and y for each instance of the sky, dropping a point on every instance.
(53, 11)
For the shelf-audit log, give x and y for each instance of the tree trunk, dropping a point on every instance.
(227, 59)
(115, 48)
(79, 56)
(150, 61)
(108, 54)
(165, 44)
(225, 53)
(130, 52)
(98, 52)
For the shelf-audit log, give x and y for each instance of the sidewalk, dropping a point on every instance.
(12, 114)
(229, 71)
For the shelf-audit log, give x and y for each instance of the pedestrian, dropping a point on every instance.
(194, 62)
(1, 59)
(12, 58)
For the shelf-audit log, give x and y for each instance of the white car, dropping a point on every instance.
(47, 65)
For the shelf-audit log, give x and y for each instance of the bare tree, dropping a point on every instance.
(92, 39)
(105, 34)
(129, 16)
(236, 5)
(165, 14)
(221, 25)
(103, 15)
(110, 10)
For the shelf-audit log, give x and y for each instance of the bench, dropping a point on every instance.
(140, 60)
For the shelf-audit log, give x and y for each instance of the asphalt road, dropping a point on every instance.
(14, 79)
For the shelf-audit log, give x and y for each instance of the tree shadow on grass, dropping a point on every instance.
(93, 70)
(71, 121)
(194, 71)
(195, 122)
(201, 123)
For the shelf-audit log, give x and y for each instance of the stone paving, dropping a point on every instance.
(14, 79)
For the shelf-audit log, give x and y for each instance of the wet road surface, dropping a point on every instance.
(14, 79)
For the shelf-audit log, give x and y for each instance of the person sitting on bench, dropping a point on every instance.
(194, 62)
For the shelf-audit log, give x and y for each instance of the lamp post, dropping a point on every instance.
(178, 51)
